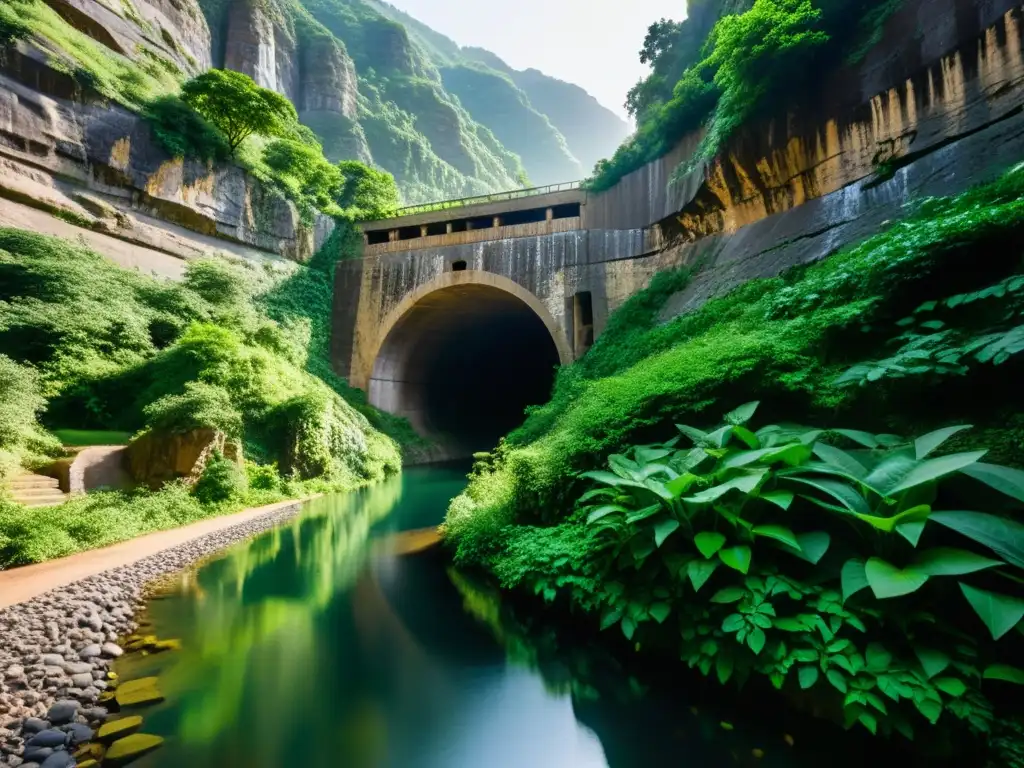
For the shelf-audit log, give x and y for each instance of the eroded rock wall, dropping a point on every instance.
(54, 135)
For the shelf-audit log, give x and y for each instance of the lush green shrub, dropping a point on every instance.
(781, 554)
(366, 193)
(200, 406)
(222, 482)
(304, 173)
(263, 477)
(183, 132)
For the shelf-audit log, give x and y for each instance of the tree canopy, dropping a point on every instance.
(238, 106)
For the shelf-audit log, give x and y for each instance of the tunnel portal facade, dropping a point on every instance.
(457, 320)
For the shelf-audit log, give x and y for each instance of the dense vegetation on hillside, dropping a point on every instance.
(734, 61)
(889, 336)
(241, 349)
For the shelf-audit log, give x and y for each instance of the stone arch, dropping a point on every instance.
(484, 325)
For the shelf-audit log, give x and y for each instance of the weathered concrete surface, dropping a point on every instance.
(92, 468)
(155, 458)
(942, 109)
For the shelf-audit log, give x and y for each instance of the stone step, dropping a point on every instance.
(32, 481)
(31, 493)
(43, 501)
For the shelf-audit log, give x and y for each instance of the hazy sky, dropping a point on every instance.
(593, 43)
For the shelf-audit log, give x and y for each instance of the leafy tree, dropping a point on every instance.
(237, 106)
(184, 132)
(661, 36)
(367, 193)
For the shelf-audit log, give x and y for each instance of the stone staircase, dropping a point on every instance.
(35, 490)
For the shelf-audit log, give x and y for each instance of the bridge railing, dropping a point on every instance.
(496, 197)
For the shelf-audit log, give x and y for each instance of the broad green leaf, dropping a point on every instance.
(709, 542)
(911, 531)
(838, 680)
(842, 492)
(597, 492)
(733, 623)
(790, 624)
(933, 469)
(663, 529)
(604, 511)
(813, 546)
(756, 640)
(945, 561)
(1003, 536)
(877, 657)
(700, 571)
(779, 498)
(660, 611)
(1000, 613)
(840, 459)
(723, 667)
(737, 558)
(863, 438)
(623, 467)
(628, 627)
(743, 414)
(646, 455)
(932, 661)
(698, 436)
(1004, 672)
(953, 686)
(808, 676)
(889, 524)
(889, 472)
(610, 479)
(677, 486)
(1003, 479)
(853, 578)
(748, 437)
(928, 443)
(643, 514)
(611, 616)
(744, 483)
(720, 436)
(779, 533)
(886, 580)
(729, 595)
(929, 708)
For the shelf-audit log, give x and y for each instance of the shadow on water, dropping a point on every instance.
(312, 645)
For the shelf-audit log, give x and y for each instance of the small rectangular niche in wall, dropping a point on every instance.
(458, 266)
(582, 322)
(437, 228)
(409, 233)
(377, 237)
(566, 211)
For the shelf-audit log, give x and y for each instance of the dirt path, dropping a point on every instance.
(20, 584)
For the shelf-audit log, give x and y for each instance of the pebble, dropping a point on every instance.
(56, 649)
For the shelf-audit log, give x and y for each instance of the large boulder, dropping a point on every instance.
(155, 458)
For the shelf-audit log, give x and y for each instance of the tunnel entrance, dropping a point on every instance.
(463, 363)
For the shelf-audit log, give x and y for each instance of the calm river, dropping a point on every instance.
(314, 646)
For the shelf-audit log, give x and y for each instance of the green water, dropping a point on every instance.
(313, 646)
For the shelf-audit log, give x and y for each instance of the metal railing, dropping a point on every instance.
(497, 197)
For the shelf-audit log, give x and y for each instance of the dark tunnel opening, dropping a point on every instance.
(463, 364)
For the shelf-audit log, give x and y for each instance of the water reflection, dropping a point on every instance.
(314, 646)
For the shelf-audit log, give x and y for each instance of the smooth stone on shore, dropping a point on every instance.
(51, 660)
(37, 754)
(137, 693)
(77, 667)
(48, 738)
(34, 725)
(59, 760)
(166, 645)
(90, 652)
(123, 751)
(84, 680)
(113, 650)
(117, 729)
(79, 733)
(62, 712)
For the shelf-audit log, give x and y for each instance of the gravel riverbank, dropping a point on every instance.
(56, 649)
